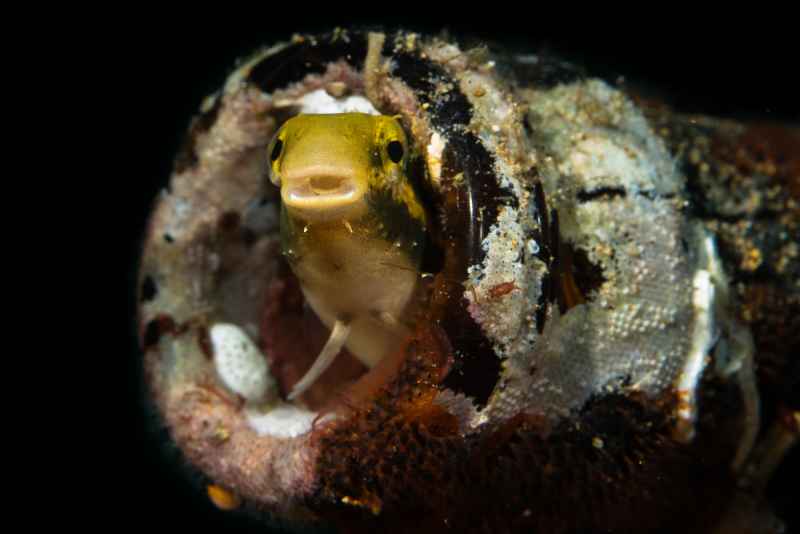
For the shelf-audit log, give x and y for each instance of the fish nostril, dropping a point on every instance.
(325, 184)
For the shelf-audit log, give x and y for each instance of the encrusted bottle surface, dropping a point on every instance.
(580, 352)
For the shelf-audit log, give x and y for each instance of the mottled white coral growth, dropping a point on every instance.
(320, 101)
(239, 363)
(498, 288)
(281, 421)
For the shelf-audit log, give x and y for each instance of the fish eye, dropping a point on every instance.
(395, 150)
(276, 150)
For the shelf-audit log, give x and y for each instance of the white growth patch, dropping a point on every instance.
(320, 101)
(703, 337)
(733, 355)
(500, 312)
(282, 421)
(434, 156)
(604, 162)
(239, 363)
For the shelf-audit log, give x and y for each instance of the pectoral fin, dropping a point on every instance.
(339, 333)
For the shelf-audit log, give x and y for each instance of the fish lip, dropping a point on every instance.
(322, 196)
(307, 195)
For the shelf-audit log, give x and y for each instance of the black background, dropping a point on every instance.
(161, 72)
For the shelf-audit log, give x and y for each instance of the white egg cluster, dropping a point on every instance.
(239, 363)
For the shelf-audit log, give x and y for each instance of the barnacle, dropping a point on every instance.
(564, 343)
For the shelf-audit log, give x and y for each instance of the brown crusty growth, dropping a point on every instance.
(616, 467)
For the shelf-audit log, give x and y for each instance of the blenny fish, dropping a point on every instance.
(399, 285)
(352, 229)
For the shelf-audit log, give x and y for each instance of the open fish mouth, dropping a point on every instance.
(320, 192)
(320, 196)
